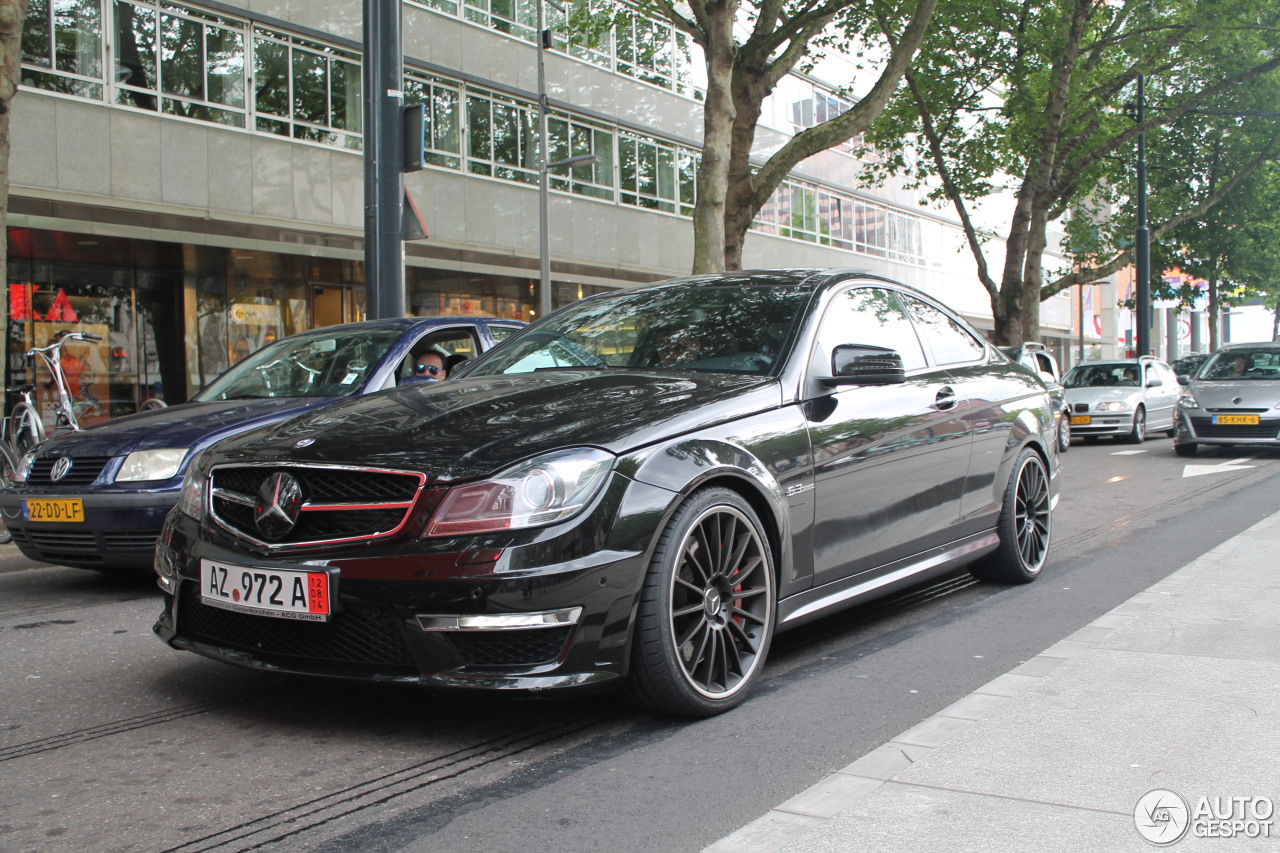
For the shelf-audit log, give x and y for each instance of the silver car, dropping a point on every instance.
(1124, 398)
(1234, 398)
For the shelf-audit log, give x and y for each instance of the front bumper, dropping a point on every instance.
(1106, 423)
(404, 611)
(118, 532)
(1199, 428)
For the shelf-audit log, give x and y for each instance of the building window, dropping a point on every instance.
(62, 47)
(180, 61)
(306, 90)
(443, 133)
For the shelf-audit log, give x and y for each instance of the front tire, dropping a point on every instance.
(1185, 449)
(706, 610)
(1025, 525)
(1139, 432)
(1064, 433)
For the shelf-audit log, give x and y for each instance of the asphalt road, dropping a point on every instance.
(110, 741)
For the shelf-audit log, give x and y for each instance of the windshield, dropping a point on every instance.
(1121, 374)
(739, 327)
(1257, 364)
(318, 364)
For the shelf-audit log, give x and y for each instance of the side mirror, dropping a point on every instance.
(853, 364)
(1183, 378)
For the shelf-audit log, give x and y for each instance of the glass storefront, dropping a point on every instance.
(172, 317)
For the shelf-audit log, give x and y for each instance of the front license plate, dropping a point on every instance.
(1081, 420)
(281, 593)
(53, 509)
(1235, 420)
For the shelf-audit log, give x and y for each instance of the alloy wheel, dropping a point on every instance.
(721, 602)
(1032, 514)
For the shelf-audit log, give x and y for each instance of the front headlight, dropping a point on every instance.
(542, 490)
(191, 498)
(151, 464)
(1187, 400)
(23, 471)
(1112, 406)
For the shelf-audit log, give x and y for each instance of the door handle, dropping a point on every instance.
(946, 399)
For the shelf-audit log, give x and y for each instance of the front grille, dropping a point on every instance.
(510, 648)
(1205, 428)
(130, 540)
(359, 634)
(54, 546)
(338, 503)
(83, 472)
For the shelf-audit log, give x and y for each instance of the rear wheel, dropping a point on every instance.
(26, 428)
(1139, 432)
(1025, 525)
(1185, 449)
(706, 611)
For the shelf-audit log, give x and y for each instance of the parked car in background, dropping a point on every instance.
(1037, 357)
(96, 499)
(1187, 365)
(637, 491)
(1124, 398)
(1233, 399)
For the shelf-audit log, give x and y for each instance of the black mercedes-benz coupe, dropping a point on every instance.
(637, 491)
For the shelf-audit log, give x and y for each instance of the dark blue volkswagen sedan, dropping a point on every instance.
(96, 499)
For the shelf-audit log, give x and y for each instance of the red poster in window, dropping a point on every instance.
(61, 311)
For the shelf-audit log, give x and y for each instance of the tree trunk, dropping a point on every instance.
(12, 14)
(718, 120)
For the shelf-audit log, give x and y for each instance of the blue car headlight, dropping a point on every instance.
(151, 464)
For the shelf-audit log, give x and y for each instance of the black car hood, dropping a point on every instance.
(474, 427)
(184, 425)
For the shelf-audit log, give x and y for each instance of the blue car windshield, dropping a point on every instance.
(318, 364)
(738, 328)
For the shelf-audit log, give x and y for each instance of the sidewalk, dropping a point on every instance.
(1176, 692)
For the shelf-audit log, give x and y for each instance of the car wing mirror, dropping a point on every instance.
(860, 364)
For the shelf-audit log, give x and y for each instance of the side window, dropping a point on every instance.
(501, 333)
(868, 315)
(949, 341)
(455, 346)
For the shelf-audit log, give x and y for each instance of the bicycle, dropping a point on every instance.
(26, 427)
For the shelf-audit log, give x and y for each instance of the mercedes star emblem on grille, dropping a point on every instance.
(279, 502)
(60, 468)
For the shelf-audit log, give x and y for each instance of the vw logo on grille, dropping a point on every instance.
(60, 468)
(279, 502)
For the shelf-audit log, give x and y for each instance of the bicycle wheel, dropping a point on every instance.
(26, 429)
(152, 404)
(7, 466)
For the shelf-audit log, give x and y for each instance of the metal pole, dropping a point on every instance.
(1142, 239)
(383, 159)
(1080, 306)
(544, 239)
